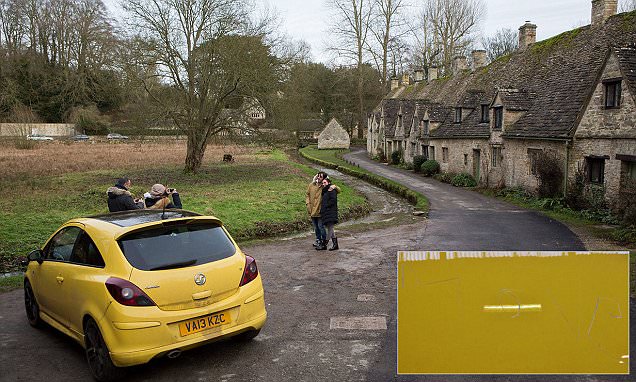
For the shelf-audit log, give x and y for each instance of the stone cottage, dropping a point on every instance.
(572, 97)
(333, 136)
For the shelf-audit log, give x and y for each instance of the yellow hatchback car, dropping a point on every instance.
(135, 285)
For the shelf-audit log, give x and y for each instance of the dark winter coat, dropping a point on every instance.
(163, 202)
(329, 206)
(120, 199)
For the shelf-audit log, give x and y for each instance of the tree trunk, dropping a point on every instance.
(195, 150)
(360, 102)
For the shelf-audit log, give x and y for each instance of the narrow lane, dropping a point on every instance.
(465, 220)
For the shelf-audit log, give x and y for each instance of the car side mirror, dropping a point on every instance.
(35, 255)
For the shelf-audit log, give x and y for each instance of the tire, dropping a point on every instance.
(247, 336)
(31, 306)
(98, 356)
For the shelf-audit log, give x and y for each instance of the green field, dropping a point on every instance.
(256, 198)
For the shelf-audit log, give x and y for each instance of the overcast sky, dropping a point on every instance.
(309, 19)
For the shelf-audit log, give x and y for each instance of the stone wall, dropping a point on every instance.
(602, 147)
(600, 122)
(517, 163)
(334, 136)
(50, 129)
(462, 156)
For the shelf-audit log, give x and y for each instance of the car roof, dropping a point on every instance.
(138, 217)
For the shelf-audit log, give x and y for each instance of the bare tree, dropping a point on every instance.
(350, 30)
(425, 48)
(453, 24)
(212, 58)
(503, 42)
(627, 6)
(13, 26)
(387, 28)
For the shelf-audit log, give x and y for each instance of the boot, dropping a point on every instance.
(334, 244)
(322, 246)
(317, 243)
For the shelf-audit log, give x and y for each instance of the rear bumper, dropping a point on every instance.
(144, 356)
(135, 335)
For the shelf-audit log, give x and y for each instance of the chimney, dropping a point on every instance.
(527, 35)
(406, 80)
(432, 73)
(459, 64)
(602, 10)
(479, 59)
(419, 75)
(395, 83)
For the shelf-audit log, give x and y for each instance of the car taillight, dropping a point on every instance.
(127, 293)
(250, 272)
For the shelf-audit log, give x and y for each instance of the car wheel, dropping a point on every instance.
(98, 356)
(247, 336)
(31, 306)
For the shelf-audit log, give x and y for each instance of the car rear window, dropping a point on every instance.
(176, 246)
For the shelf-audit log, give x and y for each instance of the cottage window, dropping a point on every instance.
(498, 118)
(485, 114)
(431, 152)
(630, 170)
(465, 159)
(413, 148)
(595, 169)
(444, 154)
(458, 114)
(533, 160)
(612, 93)
(496, 156)
(425, 151)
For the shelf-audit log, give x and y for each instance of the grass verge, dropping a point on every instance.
(331, 159)
(10, 283)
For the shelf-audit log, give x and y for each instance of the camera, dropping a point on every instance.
(169, 190)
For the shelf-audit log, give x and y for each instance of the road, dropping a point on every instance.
(332, 315)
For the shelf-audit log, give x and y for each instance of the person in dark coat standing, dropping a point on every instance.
(329, 213)
(120, 199)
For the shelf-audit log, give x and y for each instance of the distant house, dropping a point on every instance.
(333, 136)
(246, 120)
(572, 97)
(310, 128)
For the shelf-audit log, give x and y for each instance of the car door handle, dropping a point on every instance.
(59, 279)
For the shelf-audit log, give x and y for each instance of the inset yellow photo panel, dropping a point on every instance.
(513, 312)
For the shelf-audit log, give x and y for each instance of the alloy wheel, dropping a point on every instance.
(31, 306)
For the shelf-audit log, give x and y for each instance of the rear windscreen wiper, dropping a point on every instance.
(180, 264)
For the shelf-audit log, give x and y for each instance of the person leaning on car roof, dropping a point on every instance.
(159, 198)
(120, 199)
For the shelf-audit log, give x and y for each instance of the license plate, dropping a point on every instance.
(204, 323)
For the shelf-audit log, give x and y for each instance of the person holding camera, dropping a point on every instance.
(158, 198)
(120, 198)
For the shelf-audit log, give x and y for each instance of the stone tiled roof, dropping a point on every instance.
(408, 111)
(390, 109)
(553, 81)
(516, 99)
(627, 59)
(469, 127)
